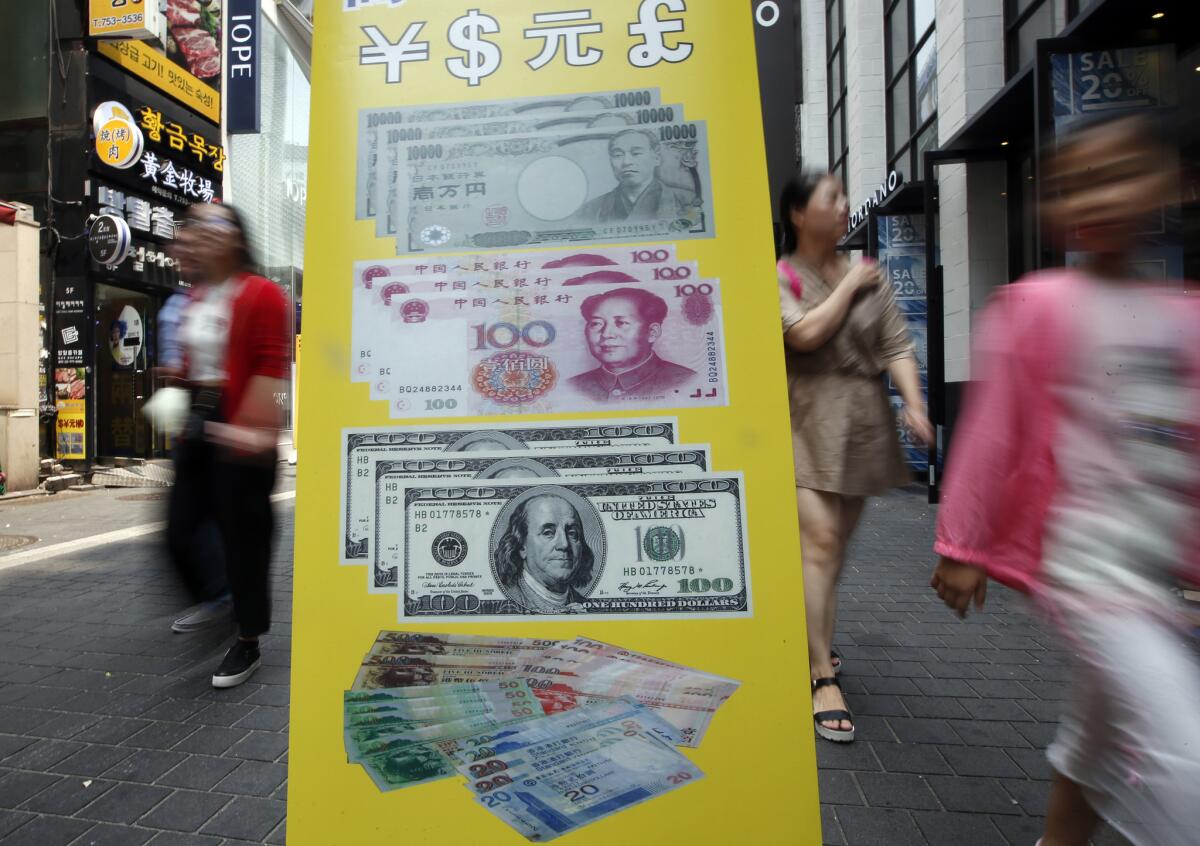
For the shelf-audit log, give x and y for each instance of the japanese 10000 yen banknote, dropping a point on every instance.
(377, 283)
(386, 550)
(360, 446)
(391, 144)
(671, 548)
(581, 349)
(627, 185)
(370, 120)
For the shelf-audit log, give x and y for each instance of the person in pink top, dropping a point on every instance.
(1075, 478)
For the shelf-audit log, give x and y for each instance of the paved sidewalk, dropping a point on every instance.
(110, 730)
(952, 717)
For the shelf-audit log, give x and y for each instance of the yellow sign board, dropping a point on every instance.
(159, 71)
(70, 429)
(425, 85)
(122, 18)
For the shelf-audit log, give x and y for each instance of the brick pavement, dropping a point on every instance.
(952, 717)
(110, 730)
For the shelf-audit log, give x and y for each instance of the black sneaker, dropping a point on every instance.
(240, 662)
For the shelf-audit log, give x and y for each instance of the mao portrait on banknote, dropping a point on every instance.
(621, 328)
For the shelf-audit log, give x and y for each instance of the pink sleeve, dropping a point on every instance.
(989, 464)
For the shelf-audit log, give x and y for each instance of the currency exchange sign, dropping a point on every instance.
(542, 229)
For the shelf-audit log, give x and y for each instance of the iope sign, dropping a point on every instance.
(877, 196)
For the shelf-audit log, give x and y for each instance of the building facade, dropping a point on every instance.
(108, 137)
(934, 113)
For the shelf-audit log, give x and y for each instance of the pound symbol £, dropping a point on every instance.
(483, 57)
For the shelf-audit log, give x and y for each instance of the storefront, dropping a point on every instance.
(107, 327)
(1114, 57)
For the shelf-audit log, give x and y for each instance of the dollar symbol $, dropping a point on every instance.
(483, 57)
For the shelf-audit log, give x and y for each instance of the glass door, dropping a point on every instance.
(125, 324)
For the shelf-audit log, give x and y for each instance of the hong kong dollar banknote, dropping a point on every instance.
(636, 549)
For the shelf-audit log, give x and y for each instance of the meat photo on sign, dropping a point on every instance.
(194, 40)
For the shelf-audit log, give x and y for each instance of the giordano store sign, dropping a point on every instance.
(881, 193)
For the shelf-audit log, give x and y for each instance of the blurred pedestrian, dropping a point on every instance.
(1075, 476)
(193, 537)
(237, 353)
(842, 332)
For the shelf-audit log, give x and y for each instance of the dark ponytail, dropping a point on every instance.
(796, 193)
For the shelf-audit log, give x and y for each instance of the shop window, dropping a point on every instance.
(911, 61)
(1027, 21)
(835, 65)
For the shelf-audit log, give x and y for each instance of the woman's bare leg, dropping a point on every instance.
(821, 553)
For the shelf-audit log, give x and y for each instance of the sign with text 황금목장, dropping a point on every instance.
(544, 397)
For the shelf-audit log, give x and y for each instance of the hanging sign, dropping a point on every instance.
(242, 85)
(124, 19)
(155, 68)
(547, 435)
(109, 239)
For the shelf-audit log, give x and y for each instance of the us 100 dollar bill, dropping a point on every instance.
(635, 184)
(361, 446)
(619, 550)
(387, 526)
(369, 120)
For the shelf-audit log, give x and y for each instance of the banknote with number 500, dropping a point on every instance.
(660, 549)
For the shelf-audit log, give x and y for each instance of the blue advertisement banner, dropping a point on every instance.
(242, 89)
(901, 253)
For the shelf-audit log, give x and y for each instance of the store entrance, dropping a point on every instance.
(126, 323)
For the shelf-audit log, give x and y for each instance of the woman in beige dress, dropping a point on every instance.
(842, 332)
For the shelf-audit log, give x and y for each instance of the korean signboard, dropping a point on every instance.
(551, 403)
(174, 157)
(243, 85)
(154, 68)
(124, 19)
(70, 328)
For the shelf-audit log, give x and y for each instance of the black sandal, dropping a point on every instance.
(836, 735)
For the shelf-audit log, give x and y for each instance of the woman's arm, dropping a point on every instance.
(908, 382)
(817, 325)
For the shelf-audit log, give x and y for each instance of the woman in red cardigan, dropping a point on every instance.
(235, 336)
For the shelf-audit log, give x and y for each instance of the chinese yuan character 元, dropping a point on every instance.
(394, 56)
(483, 57)
(152, 122)
(651, 29)
(150, 166)
(564, 32)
